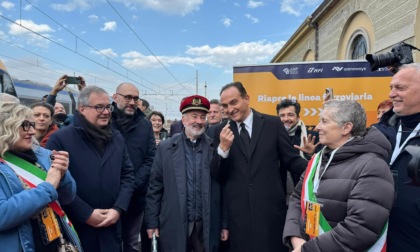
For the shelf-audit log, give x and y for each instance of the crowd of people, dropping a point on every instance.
(110, 177)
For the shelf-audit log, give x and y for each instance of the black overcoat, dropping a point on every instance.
(103, 182)
(166, 200)
(255, 184)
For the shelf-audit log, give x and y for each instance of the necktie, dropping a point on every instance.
(245, 136)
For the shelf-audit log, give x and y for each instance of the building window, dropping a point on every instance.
(359, 48)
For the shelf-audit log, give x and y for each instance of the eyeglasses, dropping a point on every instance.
(101, 108)
(128, 98)
(26, 125)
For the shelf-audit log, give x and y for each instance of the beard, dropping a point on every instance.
(192, 130)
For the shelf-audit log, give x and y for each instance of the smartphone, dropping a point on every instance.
(329, 95)
(72, 80)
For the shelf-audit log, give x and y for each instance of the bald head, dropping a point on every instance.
(124, 85)
(126, 98)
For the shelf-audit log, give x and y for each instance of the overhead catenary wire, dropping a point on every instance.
(155, 91)
(145, 45)
(91, 46)
(51, 60)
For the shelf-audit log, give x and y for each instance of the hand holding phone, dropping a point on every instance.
(73, 80)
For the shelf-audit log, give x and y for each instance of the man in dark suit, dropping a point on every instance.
(101, 166)
(254, 152)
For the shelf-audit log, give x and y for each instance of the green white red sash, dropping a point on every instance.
(32, 176)
(308, 195)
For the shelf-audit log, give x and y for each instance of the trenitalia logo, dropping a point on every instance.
(338, 69)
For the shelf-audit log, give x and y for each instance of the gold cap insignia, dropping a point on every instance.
(196, 101)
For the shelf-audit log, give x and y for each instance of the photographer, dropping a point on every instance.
(62, 83)
(404, 223)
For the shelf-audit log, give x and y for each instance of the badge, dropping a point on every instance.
(50, 230)
(313, 211)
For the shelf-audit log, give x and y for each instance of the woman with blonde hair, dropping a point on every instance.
(33, 183)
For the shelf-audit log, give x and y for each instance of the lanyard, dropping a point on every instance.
(317, 178)
(398, 148)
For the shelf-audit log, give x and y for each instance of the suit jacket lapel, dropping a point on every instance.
(257, 126)
(238, 140)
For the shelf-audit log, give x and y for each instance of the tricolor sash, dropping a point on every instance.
(308, 196)
(33, 176)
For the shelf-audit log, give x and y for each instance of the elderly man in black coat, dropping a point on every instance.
(253, 154)
(183, 200)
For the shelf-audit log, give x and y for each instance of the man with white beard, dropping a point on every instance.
(183, 200)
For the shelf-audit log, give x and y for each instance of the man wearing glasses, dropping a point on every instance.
(138, 133)
(101, 166)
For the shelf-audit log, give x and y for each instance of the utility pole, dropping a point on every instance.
(196, 82)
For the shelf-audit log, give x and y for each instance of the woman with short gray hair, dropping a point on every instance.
(343, 200)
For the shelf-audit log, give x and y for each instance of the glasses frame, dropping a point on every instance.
(101, 108)
(128, 98)
(28, 126)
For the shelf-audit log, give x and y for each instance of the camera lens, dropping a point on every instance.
(382, 60)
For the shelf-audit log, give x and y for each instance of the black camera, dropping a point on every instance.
(399, 55)
(413, 167)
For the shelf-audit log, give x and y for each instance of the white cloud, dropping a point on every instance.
(137, 60)
(107, 52)
(254, 4)
(93, 17)
(254, 20)
(226, 22)
(109, 26)
(27, 35)
(294, 7)
(39, 28)
(27, 7)
(72, 5)
(219, 56)
(7, 5)
(173, 7)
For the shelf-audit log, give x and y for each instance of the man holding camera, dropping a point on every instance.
(137, 131)
(404, 222)
(62, 83)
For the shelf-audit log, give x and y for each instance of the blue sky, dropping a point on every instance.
(159, 45)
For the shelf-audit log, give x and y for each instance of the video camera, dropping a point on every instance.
(413, 168)
(399, 55)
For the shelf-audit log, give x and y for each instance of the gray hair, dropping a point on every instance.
(215, 101)
(416, 66)
(84, 95)
(8, 98)
(348, 111)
